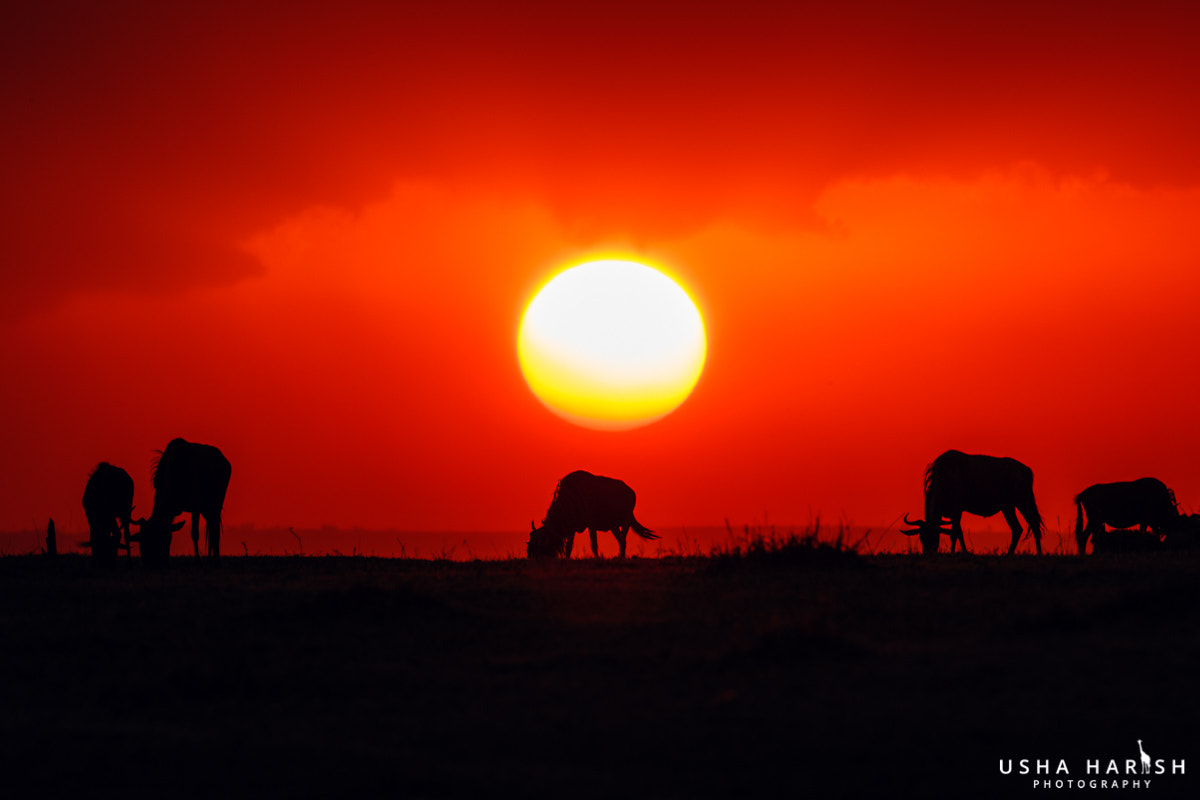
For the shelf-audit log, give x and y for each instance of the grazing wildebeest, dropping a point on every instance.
(1146, 503)
(189, 478)
(583, 501)
(108, 505)
(958, 483)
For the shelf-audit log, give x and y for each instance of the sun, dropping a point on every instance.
(611, 345)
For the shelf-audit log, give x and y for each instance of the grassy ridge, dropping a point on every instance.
(777, 669)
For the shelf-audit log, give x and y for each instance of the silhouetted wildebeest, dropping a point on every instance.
(108, 505)
(1146, 503)
(583, 501)
(188, 478)
(957, 483)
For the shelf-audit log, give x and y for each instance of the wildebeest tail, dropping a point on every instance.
(1079, 516)
(640, 529)
(1033, 517)
(1037, 526)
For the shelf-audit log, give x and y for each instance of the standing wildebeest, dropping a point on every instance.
(957, 483)
(583, 501)
(1146, 502)
(188, 478)
(108, 504)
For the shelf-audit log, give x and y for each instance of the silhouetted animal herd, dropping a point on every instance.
(192, 479)
(188, 478)
(958, 483)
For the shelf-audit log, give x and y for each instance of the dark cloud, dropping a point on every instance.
(143, 142)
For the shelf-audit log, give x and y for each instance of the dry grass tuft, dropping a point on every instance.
(758, 546)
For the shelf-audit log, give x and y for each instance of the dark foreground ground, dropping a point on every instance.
(882, 677)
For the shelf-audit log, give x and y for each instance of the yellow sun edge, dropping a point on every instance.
(602, 421)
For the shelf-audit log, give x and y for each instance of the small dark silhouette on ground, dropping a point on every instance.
(1185, 535)
(1124, 541)
(108, 504)
(958, 483)
(583, 501)
(1144, 503)
(51, 540)
(188, 478)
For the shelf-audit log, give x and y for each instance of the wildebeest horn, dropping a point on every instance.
(942, 525)
(532, 526)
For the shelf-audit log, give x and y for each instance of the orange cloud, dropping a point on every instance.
(369, 374)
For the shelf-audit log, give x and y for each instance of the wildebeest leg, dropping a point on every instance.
(111, 541)
(116, 539)
(1010, 516)
(956, 532)
(212, 530)
(569, 539)
(595, 544)
(196, 532)
(621, 532)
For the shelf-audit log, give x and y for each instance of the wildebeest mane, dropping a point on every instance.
(550, 511)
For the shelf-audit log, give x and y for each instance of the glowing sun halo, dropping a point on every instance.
(611, 345)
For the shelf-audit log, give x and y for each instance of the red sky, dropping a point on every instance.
(305, 233)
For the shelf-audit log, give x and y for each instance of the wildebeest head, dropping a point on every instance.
(154, 538)
(544, 542)
(930, 533)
